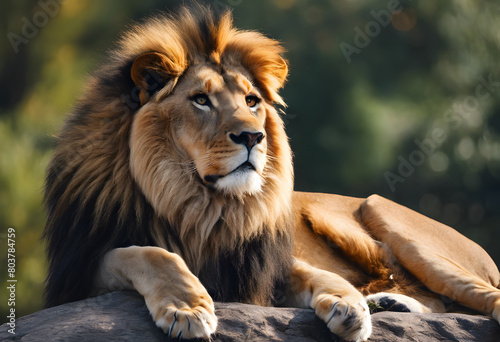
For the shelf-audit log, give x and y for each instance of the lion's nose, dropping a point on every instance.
(247, 138)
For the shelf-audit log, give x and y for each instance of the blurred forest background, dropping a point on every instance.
(399, 98)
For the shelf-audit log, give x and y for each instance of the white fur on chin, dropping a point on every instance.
(239, 183)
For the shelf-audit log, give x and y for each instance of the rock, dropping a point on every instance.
(123, 316)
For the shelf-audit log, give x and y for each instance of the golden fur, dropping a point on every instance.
(173, 177)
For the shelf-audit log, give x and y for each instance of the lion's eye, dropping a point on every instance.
(201, 100)
(252, 101)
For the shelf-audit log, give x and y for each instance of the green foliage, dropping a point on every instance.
(354, 119)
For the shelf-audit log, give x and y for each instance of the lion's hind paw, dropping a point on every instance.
(383, 301)
(350, 321)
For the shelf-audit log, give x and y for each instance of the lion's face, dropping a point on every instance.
(220, 126)
(211, 123)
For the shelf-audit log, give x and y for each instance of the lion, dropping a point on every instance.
(173, 177)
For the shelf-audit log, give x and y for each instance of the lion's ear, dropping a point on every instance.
(150, 72)
(281, 72)
(274, 77)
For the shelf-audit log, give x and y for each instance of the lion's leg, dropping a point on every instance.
(334, 300)
(176, 299)
(441, 258)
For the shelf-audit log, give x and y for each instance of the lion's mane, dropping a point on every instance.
(240, 248)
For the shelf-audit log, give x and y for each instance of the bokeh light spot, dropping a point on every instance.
(465, 148)
(439, 162)
(404, 20)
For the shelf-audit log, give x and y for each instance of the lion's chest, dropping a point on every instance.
(250, 273)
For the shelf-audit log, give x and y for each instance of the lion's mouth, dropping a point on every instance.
(246, 166)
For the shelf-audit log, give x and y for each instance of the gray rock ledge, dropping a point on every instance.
(123, 316)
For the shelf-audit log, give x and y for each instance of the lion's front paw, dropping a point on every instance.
(186, 322)
(179, 320)
(346, 317)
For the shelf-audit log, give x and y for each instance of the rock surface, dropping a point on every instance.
(123, 316)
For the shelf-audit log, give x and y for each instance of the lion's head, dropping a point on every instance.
(212, 122)
(177, 144)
